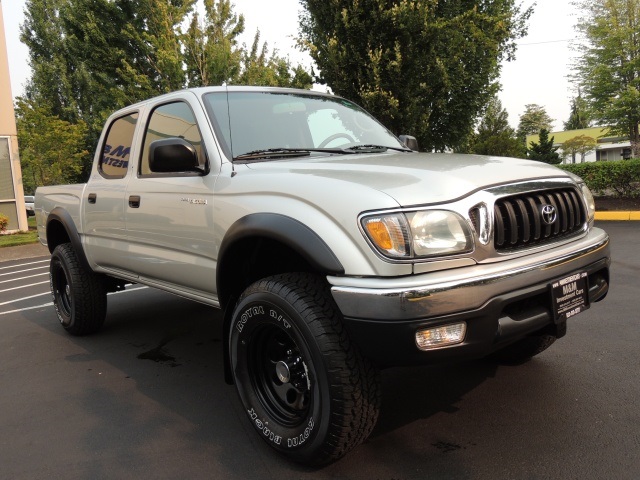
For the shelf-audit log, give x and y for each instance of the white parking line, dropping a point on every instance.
(51, 303)
(22, 271)
(23, 286)
(25, 298)
(23, 264)
(24, 278)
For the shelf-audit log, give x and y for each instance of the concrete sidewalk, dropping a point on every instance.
(23, 251)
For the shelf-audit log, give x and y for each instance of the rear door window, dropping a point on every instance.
(114, 160)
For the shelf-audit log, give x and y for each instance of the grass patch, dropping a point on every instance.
(25, 238)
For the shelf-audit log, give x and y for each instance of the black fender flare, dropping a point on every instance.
(286, 230)
(63, 217)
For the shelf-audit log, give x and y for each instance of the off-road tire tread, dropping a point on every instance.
(88, 291)
(355, 392)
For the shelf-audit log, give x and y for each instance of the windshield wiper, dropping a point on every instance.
(272, 153)
(374, 149)
(269, 153)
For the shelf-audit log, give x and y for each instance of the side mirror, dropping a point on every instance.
(409, 141)
(173, 155)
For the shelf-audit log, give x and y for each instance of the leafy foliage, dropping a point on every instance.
(579, 117)
(578, 145)
(622, 178)
(212, 53)
(92, 57)
(608, 71)
(534, 119)
(494, 135)
(544, 151)
(422, 67)
(4, 221)
(51, 149)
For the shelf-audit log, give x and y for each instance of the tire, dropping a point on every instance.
(523, 350)
(79, 295)
(305, 387)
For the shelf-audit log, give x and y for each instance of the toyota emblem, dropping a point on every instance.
(548, 214)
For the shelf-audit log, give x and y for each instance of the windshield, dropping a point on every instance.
(260, 121)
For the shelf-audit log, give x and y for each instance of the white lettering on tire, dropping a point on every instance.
(300, 439)
(263, 427)
(280, 318)
(247, 314)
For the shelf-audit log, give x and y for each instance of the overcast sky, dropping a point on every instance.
(538, 75)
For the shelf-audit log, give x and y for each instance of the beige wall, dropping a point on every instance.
(12, 195)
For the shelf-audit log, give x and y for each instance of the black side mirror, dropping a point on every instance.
(173, 155)
(409, 141)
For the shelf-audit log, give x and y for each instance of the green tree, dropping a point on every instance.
(423, 67)
(534, 119)
(212, 53)
(103, 55)
(51, 149)
(259, 67)
(494, 135)
(579, 117)
(578, 145)
(544, 151)
(608, 70)
(92, 57)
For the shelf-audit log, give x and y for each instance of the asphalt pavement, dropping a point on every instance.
(145, 398)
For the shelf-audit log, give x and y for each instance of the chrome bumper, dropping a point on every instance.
(462, 289)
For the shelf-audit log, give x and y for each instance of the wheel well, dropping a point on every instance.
(251, 259)
(56, 235)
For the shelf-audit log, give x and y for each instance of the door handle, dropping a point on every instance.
(92, 198)
(134, 201)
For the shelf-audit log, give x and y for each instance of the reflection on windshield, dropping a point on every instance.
(256, 121)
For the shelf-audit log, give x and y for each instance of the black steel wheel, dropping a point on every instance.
(305, 387)
(79, 295)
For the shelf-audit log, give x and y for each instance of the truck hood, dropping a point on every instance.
(414, 179)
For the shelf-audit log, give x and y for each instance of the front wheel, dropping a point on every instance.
(79, 295)
(304, 386)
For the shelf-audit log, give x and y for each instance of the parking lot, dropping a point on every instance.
(146, 397)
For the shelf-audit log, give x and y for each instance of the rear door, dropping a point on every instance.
(105, 235)
(170, 216)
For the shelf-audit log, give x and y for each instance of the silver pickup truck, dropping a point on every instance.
(333, 248)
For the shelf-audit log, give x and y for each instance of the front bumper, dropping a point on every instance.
(500, 302)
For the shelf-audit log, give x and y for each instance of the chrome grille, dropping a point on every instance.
(519, 221)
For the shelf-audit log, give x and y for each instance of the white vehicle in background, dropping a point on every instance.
(28, 205)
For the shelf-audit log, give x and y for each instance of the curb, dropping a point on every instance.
(618, 215)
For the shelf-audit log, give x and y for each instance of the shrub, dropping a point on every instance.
(620, 178)
(4, 221)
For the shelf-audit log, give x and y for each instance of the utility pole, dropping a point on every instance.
(11, 192)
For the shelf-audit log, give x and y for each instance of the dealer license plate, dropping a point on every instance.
(570, 296)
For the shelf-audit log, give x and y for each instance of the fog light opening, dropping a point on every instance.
(439, 337)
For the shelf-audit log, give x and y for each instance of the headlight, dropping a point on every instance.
(420, 234)
(591, 203)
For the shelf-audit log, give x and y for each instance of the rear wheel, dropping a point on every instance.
(305, 387)
(79, 295)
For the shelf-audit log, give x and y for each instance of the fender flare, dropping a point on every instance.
(63, 217)
(286, 230)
